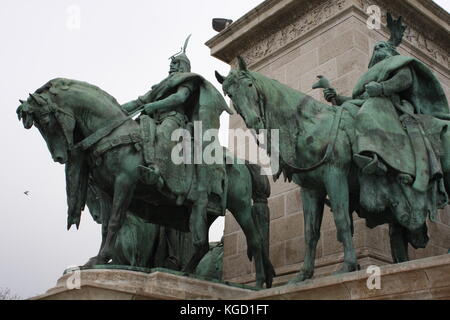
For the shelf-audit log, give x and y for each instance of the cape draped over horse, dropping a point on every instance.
(315, 150)
(68, 113)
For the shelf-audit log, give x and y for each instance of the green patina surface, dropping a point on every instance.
(154, 212)
(383, 153)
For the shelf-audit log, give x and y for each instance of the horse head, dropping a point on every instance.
(242, 89)
(54, 124)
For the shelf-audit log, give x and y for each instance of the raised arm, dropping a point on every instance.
(399, 82)
(174, 100)
(134, 105)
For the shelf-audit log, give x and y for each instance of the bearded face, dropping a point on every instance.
(381, 51)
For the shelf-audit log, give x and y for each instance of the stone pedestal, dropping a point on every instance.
(420, 279)
(293, 41)
(414, 280)
(101, 284)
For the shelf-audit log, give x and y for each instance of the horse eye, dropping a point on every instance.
(250, 84)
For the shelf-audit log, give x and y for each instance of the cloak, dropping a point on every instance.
(206, 107)
(380, 130)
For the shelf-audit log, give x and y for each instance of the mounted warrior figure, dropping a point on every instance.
(176, 102)
(398, 104)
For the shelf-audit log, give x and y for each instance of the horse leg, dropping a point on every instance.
(123, 192)
(243, 215)
(337, 188)
(105, 222)
(239, 203)
(399, 243)
(313, 203)
(445, 159)
(198, 224)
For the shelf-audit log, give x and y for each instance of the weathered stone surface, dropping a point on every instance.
(276, 207)
(131, 285)
(422, 279)
(293, 202)
(230, 244)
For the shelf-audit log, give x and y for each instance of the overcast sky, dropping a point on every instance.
(121, 46)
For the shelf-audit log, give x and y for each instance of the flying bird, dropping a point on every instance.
(27, 193)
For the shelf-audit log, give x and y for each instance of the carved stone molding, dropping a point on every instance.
(434, 43)
(303, 19)
(303, 16)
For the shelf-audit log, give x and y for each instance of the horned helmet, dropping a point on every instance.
(179, 62)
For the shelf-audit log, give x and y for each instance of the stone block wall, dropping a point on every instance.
(330, 38)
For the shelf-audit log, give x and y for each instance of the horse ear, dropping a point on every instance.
(24, 115)
(38, 99)
(219, 77)
(242, 64)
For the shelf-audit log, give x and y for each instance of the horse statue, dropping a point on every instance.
(70, 113)
(315, 151)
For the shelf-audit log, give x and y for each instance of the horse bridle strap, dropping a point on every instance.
(91, 140)
(131, 138)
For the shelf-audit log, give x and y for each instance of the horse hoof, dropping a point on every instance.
(302, 276)
(347, 268)
(91, 262)
(95, 261)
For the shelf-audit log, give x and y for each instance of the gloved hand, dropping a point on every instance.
(374, 89)
(329, 94)
(129, 107)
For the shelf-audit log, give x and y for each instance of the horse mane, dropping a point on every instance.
(64, 84)
(286, 92)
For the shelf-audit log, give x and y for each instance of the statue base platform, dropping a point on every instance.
(128, 283)
(419, 279)
(423, 279)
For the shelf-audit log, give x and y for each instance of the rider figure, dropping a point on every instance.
(170, 104)
(180, 98)
(387, 100)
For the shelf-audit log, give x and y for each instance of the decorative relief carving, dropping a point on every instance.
(311, 15)
(298, 23)
(412, 35)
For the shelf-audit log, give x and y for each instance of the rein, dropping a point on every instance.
(101, 133)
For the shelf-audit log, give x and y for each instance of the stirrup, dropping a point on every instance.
(149, 175)
(370, 165)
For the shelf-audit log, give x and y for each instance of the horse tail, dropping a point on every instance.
(261, 215)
